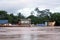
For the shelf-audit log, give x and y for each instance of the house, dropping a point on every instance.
(51, 23)
(3, 22)
(25, 22)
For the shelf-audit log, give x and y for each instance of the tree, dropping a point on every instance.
(43, 13)
(33, 19)
(13, 19)
(3, 15)
(56, 18)
(20, 16)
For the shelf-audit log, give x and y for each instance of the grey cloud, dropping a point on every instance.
(14, 5)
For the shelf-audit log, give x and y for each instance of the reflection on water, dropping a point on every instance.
(29, 33)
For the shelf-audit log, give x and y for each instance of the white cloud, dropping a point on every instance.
(26, 11)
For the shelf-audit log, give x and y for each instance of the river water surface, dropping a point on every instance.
(29, 33)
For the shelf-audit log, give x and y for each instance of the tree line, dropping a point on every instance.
(41, 16)
(10, 17)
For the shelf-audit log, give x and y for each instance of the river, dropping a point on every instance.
(29, 33)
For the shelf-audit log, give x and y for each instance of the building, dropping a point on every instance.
(51, 23)
(25, 22)
(3, 22)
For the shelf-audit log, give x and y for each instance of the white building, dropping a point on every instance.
(25, 22)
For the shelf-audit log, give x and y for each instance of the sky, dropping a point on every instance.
(26, 6)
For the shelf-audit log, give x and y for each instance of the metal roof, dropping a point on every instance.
(3, 21)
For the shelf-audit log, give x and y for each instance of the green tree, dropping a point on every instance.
(13, 19)
(20, 16)
(43, 15)
(3, 15)
(56, 18)
(33, 19)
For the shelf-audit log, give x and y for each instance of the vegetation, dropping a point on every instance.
(10, 17)
(42, 16)
(45, 15)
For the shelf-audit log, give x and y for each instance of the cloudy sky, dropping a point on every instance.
(26, 6)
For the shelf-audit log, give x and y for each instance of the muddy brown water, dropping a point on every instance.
(29, 33)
